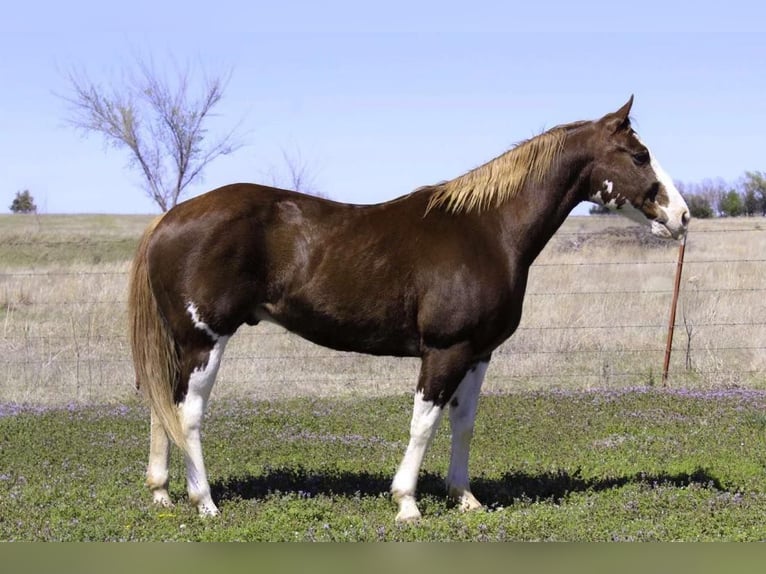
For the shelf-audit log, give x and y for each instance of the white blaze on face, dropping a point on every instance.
(676, 212)
(674, 216)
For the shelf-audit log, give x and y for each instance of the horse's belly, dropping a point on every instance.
(360, 335)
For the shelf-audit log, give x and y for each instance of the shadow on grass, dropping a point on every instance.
(502, 491)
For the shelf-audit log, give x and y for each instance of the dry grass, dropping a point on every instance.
(595, 316)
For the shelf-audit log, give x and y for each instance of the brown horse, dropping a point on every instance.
(438, 274)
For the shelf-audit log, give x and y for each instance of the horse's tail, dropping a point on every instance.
(155, 354)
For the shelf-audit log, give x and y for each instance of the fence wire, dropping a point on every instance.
(66, 328)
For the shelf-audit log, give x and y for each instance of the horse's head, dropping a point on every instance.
(627, 178)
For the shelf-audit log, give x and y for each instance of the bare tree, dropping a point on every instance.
(296, 174)
(160, 122)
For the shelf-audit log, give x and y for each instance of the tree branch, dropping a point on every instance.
(162, 127)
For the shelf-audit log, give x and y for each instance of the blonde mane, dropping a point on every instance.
(502, 178)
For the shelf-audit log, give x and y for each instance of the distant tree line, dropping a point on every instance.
(718, 198)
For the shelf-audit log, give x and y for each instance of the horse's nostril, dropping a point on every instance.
(685, 218)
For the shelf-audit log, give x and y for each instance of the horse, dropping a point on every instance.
(438, 274)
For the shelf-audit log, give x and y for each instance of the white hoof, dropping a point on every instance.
(468, 503)
(465, 500)
(162, 498)
(408, 510)
(207, 509)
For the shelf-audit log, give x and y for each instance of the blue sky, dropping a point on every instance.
(380, 98)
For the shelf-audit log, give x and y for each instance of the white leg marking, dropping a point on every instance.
(157, 470)
(191, 308)
(425, 420)
(192, 409)
(462, 416)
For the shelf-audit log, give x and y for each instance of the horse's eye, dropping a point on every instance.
(641, 158)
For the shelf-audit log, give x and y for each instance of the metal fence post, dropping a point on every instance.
(673, 305)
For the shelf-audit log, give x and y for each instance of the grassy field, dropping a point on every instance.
(576, 466)
(575, 440)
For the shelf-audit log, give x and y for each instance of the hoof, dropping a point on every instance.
(468, 503)
(465, 500)
(403, 517)
(161, 498)
(207, 509)
(408, 511)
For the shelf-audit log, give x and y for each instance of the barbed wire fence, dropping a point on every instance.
(587, 323)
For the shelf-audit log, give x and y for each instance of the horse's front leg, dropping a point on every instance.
(463, 407)
(426, 415)
(441, 371)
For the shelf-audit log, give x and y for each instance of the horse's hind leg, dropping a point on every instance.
(462, 416)
(159, 456)
(201, 378)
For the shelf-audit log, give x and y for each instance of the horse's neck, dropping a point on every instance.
(531, 219)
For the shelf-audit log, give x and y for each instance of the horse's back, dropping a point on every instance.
(373, 279)
(245, 252)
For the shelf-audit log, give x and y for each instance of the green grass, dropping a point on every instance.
(33, 241)
(571, 465)
(638, 465)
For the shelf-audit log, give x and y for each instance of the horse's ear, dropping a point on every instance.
(619, 120)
